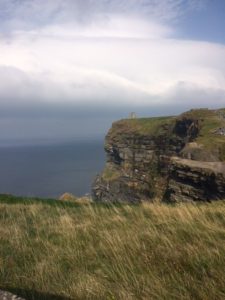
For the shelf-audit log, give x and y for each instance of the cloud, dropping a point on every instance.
(68, 60)
(28, 14)
(55, 66)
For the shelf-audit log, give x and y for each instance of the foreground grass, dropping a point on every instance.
(53, 250)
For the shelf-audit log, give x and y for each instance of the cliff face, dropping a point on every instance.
(195, 180)
(142, 164)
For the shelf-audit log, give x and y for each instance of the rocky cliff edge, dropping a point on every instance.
(173, 159)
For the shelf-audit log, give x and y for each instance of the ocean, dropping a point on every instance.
(50, 170)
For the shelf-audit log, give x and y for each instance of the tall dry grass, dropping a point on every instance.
(52, 250)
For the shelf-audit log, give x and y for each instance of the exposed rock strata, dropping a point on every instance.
(141, 163)
(195, 180)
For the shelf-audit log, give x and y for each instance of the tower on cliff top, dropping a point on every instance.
(132, 115)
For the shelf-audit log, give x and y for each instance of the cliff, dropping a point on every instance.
(168, 158)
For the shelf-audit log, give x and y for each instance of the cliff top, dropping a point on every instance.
(141, 126)
(212, 119)
(210, 128)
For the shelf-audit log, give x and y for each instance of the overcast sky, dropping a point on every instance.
(68, 68)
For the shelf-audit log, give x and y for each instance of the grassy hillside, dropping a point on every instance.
(59, 250)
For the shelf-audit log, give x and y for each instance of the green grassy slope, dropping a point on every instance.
(60, 250)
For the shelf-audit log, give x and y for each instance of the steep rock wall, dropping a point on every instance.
(190, 180)
(141, 165)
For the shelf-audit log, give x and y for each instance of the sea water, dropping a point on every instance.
(50, 170)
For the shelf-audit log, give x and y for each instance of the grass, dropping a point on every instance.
(140, 126)
(208, 125)
(110, 173)
(61, 250)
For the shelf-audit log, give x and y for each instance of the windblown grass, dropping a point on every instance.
(60, 250)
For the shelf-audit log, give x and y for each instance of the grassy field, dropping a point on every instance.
(60, 250)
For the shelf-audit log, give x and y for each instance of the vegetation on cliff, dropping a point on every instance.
(63, 250)
(140, 126)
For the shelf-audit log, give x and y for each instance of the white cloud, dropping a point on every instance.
(36, 13)
(129, 61)
(92, 18)
(117, 26)
(105, 53)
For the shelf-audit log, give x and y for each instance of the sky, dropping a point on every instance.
(69, 68)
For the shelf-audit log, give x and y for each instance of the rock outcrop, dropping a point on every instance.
(169, 158)
(68, 197)
(8, 296)
(195, 180)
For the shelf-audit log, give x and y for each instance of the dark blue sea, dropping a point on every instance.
(50, 170)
